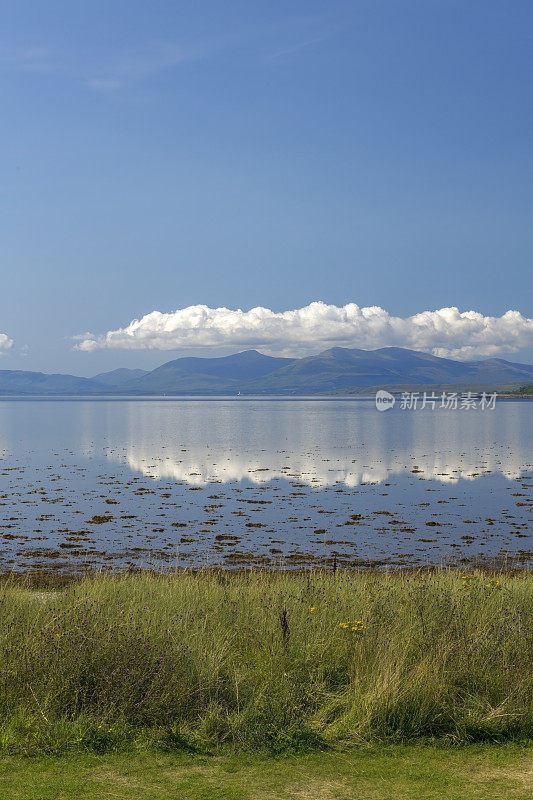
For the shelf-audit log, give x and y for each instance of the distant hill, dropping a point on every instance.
(397, 388)
(343, 368)
(525, 389)
(337, 370)
(119, 377)
(20, 382)
(230, 374)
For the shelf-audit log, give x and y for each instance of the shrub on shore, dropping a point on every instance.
(275, 659)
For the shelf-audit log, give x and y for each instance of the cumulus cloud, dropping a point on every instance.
(444, 332)
(5, 343)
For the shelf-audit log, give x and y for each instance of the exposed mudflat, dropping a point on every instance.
(163, 484)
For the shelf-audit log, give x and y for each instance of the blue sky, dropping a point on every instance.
(155, 156)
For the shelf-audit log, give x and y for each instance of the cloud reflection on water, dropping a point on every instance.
(315, 443)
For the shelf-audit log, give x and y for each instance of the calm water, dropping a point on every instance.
(161, 482)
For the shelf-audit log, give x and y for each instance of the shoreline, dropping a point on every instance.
(47, 578)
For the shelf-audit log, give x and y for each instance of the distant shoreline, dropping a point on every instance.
(267, 397)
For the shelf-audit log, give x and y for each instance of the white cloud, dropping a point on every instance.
(99, 70)
(290, 50)
(107, 70)
(445, 332)
(5, 343)
(27, 58)
(142, 62)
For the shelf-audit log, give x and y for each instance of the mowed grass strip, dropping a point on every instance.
(275, 660)
(483, 772)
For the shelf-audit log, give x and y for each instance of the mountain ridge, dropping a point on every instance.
(118, 377)
(334, 370)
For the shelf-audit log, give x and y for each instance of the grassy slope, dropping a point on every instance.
(483, 772)
(265, 660)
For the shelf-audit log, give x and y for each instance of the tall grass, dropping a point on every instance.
(266, 659)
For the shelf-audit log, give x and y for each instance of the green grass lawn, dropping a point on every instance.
(393, 772)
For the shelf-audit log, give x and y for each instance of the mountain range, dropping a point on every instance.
(337, 370)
